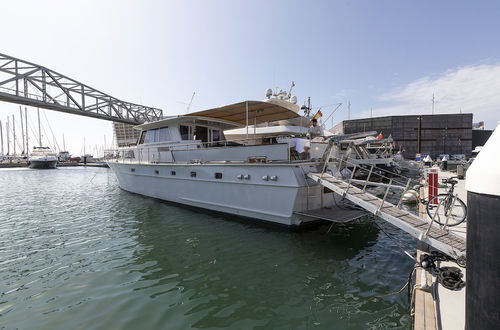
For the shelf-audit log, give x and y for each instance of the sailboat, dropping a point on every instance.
(42, 157)
(63, 155)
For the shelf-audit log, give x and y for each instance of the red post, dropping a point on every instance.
(432, 179)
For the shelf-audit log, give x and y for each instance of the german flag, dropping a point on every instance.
(318, 115)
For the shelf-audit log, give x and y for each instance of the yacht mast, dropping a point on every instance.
(64, 144)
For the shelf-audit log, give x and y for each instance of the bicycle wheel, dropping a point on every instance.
(440, 208)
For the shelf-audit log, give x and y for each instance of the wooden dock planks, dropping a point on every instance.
(424, 307)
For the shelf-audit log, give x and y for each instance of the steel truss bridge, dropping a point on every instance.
(30, 84)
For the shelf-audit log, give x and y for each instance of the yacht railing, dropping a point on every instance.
(150, 153)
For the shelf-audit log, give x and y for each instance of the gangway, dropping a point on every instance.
(428, 232)
(440, 239)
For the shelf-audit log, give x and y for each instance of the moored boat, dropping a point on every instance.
(188, 160)
(42, 158)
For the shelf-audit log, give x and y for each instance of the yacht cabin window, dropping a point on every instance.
(164, 134)
(216, 136)
(142, 137)
(201, 133)
(150, 136)
(186, 132)
(155, 135)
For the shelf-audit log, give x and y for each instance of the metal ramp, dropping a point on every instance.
(440, 239)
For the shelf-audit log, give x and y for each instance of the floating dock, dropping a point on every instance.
(11, 165)
(434, 306)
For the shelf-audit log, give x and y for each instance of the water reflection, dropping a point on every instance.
(227, 274)
(78, 252)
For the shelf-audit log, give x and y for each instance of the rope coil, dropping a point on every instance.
(448, 277)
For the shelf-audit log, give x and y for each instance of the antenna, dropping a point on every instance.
(188, 105)
(334, 110)
(190, 102)
(291, 87)
(349, 110)
(432, 103)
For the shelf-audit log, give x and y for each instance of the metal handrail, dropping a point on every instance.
(197, 144)
(366, 182)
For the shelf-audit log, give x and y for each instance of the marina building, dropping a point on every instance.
(426, 134)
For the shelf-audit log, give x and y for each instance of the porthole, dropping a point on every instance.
(132, 170)
(157, 172)
(193, 174)
(172, 173)
(218, 175)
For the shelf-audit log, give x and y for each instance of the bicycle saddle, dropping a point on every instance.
(450, 181)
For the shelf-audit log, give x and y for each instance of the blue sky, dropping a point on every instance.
(386, 55)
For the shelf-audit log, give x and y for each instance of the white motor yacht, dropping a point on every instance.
(43, 158)
(187, 160)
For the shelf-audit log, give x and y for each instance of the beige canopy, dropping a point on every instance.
(258, 112)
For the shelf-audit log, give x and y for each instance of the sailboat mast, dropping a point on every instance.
(8, 138)
(1, 136)
(22, 127)
(64, 144)
(26, 122)
(39, 129)
(14, 133)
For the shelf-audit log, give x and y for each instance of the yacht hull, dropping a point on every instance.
(43, 164)
(270, 193)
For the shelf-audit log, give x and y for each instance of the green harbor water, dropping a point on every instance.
(77, 252)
